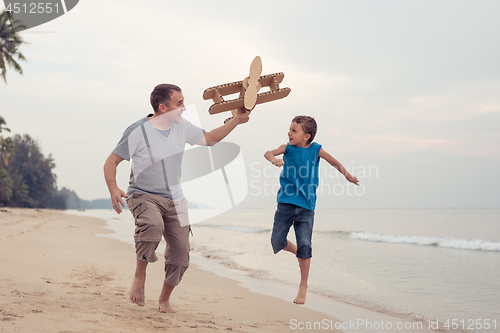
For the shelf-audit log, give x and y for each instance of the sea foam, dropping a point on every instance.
(462, 244)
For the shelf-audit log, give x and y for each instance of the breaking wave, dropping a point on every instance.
(454, 243)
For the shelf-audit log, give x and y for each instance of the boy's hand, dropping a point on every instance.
(278, 162)
(352, 179)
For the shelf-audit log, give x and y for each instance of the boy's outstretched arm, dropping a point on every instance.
(336, 164)
(270, 155)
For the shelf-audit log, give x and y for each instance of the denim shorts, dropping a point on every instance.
(302, 220)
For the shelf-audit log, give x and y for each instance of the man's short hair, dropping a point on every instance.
(161, 94)
(308, 124)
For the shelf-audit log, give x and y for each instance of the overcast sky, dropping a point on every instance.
(405, 93)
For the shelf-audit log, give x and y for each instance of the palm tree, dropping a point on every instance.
(9, 44)
(7, 146)
(2, 125)
(6, 185)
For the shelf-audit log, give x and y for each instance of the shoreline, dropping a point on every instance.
(321, 303)
(58, 275)
(355, 318)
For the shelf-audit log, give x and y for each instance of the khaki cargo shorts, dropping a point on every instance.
(156, 217)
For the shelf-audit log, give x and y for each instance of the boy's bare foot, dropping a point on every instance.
(164, 307)
(301, 295)
(137, 291)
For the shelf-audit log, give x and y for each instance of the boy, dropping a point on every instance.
(297, 194)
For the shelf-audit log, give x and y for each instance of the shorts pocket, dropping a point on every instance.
(137, 210)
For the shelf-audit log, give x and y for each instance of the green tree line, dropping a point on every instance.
(27, 178)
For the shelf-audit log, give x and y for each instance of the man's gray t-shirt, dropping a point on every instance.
(156, 159)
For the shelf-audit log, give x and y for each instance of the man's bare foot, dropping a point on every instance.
(301, 295)
(164, 307)
(137, 291)
(164, 300)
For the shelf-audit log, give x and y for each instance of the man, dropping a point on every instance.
(155, 145)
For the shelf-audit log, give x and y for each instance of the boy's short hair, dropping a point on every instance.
(308, 124)
(161, 94)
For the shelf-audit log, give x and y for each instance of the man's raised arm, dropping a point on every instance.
(221, 132)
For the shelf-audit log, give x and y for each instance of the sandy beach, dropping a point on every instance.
(58, 276)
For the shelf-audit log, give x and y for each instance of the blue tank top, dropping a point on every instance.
(299, 178)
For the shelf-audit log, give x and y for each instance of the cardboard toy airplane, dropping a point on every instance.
(248, 90)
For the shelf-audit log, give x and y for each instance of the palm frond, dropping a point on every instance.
(9, 44)
(12, 63)
(20, 56)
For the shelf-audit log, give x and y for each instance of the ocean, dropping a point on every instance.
(432, 266)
